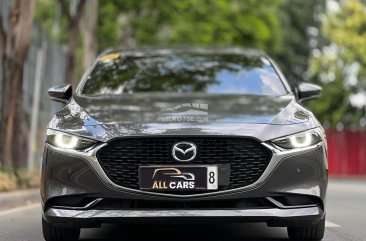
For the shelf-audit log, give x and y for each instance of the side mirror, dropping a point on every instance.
(307, 91)
(60, 93)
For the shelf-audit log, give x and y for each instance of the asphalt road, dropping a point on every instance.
(346, 215)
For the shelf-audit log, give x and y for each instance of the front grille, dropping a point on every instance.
(121, 158)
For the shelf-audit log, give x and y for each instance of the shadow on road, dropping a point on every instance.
(232, 232)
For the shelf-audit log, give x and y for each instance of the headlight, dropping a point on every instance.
(299, 140)
(67, 141)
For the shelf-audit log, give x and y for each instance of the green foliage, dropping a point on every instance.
(212, 22)
(110, 25)
(8, 181)
(128, 23)
(346, 29)
(301, 23)
(337, 66)
(11, 179)
(221, 22)
(48, 15)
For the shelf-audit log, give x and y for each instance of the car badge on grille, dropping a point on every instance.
(184, 151)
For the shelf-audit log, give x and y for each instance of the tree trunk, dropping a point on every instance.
(13, 141)
(2, 45)
(71, 53)
(73, 18)
(2, 56)
(88, 26)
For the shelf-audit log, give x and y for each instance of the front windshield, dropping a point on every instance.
(184, 73)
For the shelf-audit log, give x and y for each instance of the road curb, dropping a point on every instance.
(19, 198)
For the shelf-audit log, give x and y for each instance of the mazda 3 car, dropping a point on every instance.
(184, 135)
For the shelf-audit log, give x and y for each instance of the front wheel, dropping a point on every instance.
(312, 232)
(52, 233)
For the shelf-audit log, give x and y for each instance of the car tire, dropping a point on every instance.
(312, 232)
(52, 233)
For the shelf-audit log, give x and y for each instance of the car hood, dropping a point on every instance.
(177, 114)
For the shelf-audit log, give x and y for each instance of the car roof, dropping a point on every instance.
(187, 50)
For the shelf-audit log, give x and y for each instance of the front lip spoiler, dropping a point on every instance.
(59, 216)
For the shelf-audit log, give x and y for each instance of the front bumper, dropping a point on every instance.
(294, 173)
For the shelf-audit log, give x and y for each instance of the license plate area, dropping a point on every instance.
(178, 178)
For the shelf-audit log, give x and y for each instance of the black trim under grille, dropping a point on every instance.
(121, 158)
(127, 204)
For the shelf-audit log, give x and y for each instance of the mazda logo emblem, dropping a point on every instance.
(184, 151)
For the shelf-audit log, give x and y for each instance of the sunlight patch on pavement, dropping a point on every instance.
(14, 210)
(348, 186)
(331, 225)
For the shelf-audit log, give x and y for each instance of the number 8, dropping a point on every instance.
(211, 178)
